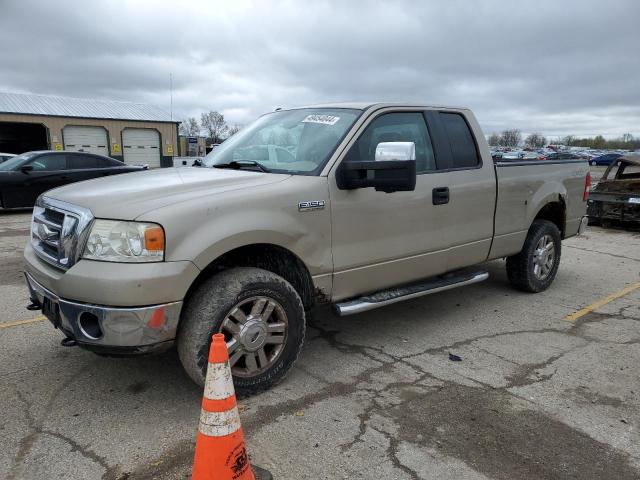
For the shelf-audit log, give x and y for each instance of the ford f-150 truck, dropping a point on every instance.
(357, 205)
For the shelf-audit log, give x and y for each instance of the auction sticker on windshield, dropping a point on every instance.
(323, 119)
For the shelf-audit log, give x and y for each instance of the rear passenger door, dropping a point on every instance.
(85, 166)
(82, 166)
(468, 214)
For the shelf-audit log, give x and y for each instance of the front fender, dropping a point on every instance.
(203, 230)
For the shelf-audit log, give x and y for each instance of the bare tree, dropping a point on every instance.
(494, 139)
(627, 138)
(189, 127)
(213, 122)
(233, 130)
(535, 140)
(510, 138)
(568, 140)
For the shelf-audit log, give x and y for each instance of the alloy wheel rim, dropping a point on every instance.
(544, 257)
(255, 331)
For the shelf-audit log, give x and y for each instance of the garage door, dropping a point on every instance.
(141, 146)
(86, 139)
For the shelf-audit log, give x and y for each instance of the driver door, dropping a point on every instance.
(384, 239)
(49, 171)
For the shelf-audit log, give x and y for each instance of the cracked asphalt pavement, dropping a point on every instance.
(372, 396)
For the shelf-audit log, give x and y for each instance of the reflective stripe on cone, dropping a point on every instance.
(219, 382)
(219, 424)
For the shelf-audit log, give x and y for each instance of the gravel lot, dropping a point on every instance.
(373, 396)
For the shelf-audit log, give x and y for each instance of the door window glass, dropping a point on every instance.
(79, 162)
(396, 127)
(463, 148)
(49, 162)
(108, 162)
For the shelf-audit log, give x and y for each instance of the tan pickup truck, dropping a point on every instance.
(357, 205)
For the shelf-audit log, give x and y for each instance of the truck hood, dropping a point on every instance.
(130, 195)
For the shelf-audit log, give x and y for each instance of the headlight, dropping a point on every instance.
(116, 241)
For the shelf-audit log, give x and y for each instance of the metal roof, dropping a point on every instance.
(30, 104)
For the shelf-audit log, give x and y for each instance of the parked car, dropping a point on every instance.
(533, 156)
(563, 156)
(355, 205)
(24, 177)
(5, 156)
(617, 194)
(605, 159)
(513, 155)
(496, 154)
(521, 155)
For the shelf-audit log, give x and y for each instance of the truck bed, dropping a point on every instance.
(523, 187)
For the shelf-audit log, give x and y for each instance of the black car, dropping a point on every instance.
(25, 177)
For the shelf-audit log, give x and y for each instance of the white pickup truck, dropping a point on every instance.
(357, 205)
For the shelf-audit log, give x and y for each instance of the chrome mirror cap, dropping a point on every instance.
(395, 151)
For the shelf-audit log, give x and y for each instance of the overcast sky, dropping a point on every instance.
(557, 67)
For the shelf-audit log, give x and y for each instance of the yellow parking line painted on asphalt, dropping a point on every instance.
(602, 302)
(22, 322)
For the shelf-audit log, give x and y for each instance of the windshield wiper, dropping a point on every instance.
(239, 164)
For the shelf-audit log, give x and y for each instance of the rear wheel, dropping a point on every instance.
(263, 321)
(536, 266)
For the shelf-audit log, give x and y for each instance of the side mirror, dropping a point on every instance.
(26, 168)
(395, 151)
(393, 170)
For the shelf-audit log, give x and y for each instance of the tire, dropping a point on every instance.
(221, 302)
(521, 268)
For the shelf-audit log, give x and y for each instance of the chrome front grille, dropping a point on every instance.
(58, 231)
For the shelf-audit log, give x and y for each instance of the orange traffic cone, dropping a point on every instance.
(220, 449)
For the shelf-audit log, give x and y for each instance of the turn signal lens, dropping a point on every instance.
(154, 239)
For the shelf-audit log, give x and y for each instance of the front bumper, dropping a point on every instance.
(115, 330)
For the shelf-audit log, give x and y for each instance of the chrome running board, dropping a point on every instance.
(407, 292)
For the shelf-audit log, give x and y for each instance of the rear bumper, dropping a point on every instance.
(112, 330)
(610, 207)
(575, 226)
(583, 225)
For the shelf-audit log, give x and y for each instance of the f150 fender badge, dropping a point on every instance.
(311, 205)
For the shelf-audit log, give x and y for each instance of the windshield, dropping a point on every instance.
(15, 162)
(290, 141)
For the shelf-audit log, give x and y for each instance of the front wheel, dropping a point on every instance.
(263, 321)
(536, 266)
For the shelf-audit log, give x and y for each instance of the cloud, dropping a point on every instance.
(548, 66)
